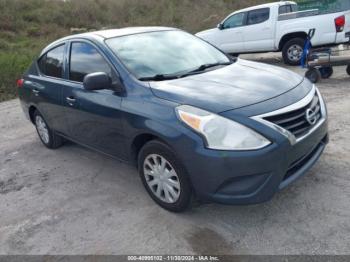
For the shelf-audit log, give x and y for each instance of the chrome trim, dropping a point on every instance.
(303, 102)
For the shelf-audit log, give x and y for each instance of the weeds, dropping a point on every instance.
(26, 26)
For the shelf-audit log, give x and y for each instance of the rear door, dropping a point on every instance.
(46, 87)
(259, 31)
(94, 117)
(230, 37)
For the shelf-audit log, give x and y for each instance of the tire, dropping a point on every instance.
(326, 72)
(47, 137)
(155, 179)
(313, 75)
(348, 69)
(292, 51)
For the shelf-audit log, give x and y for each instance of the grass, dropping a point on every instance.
(26, 26)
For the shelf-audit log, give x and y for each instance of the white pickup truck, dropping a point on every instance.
(277, 27)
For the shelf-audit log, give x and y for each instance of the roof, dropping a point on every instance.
(129, 31)
(110, 33)
(266, 5)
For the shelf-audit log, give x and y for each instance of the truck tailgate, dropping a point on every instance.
(344, 36)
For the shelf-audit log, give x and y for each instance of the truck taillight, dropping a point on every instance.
(340, 23)
(20, 83)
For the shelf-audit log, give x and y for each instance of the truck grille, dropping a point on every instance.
(297, 121)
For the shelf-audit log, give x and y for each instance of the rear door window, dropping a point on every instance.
(84, 60)
(258, 16)
(51, 64)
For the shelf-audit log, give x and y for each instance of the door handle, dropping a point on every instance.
(70, 100)
(36, 92)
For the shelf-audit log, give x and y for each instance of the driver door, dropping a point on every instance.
(94, 117)
(231, 34)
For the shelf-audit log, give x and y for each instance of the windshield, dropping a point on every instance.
(174, 52)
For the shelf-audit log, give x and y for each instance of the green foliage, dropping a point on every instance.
(12, 65)
(26, 26)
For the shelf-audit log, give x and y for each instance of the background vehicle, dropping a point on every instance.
(196, 122)
(320, 61)
(277, 27)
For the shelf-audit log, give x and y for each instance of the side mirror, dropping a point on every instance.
(97, 81)
(117, 86)
(220, 26)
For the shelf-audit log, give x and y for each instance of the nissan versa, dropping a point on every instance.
(197, 123)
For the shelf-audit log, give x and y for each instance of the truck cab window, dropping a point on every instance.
(234, 21)
(258, 16)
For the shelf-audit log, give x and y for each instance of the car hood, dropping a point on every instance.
(206, 32)
(238, 85)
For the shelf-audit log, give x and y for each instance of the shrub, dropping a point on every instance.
(12, 66)
(26, 26)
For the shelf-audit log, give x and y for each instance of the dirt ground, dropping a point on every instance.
(76, 201)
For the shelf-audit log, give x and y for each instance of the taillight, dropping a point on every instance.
(20, 82)
(340, 23)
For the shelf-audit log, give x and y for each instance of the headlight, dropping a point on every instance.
(220, 133)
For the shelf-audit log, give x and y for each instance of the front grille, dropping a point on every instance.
(296, 121)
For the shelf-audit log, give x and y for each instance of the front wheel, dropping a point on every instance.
(46, 135)
(348, 69)
(234, 54)
(292, 51)
(164, 177)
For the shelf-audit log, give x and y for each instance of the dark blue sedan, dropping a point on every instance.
(197, 123)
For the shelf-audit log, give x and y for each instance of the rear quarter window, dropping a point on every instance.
(51, 63)
(284, 9)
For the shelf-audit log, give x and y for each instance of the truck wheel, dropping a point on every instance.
(348, 69)
(326, 72)
(293, 50)
(313, 75)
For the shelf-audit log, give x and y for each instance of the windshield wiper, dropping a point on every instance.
(159, 77)
(204, 67)
(162, 77)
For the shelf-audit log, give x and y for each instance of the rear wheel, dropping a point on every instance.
(46, 135)
(326, 72)
(313, 75)
(164, 177)
(293, 50)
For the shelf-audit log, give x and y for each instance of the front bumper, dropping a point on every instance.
(253, 176)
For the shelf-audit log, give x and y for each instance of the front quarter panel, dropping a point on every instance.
(145, 113)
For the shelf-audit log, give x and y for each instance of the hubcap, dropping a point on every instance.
(161, 178)
(295, 52)
(42, 129)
